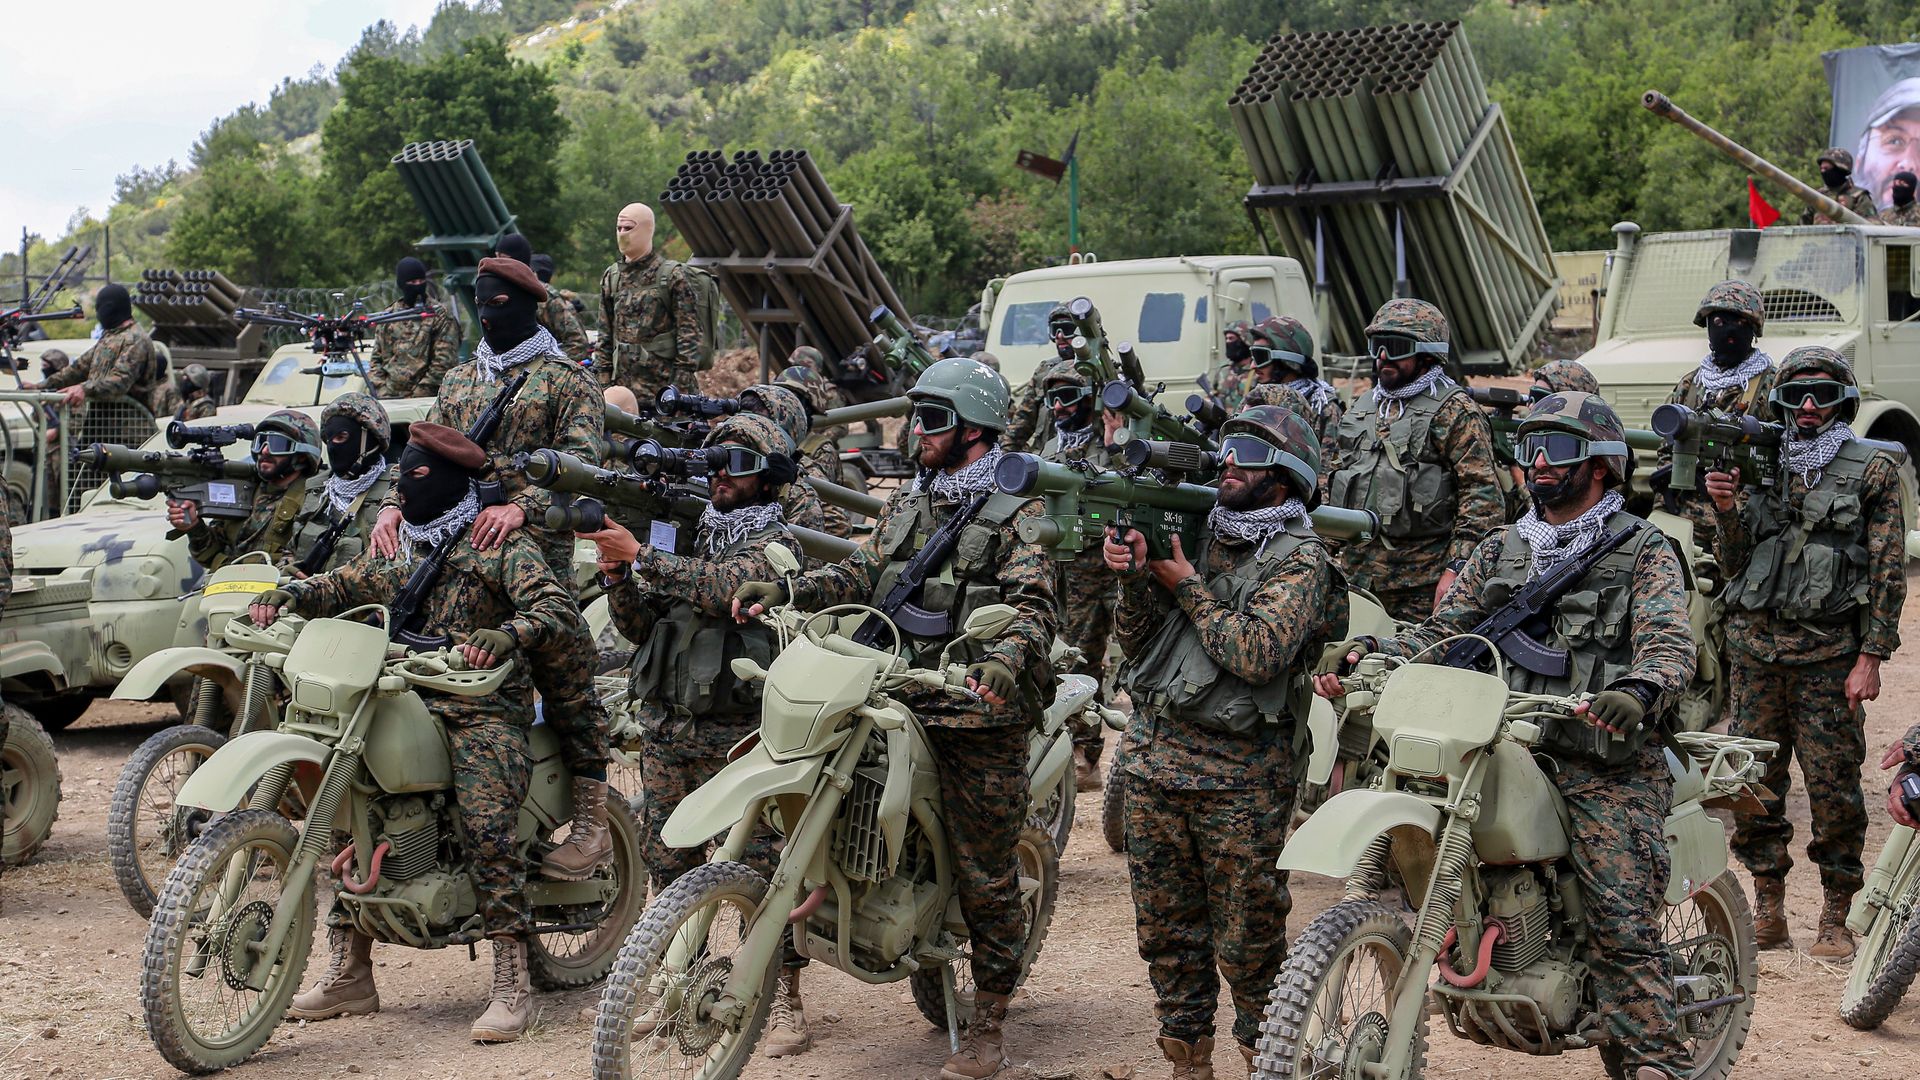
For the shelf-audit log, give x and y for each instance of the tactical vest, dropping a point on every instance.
(310, 527)
(1695, 398)
(685, 663)
(1810, 563)
(1174, 677)
(1400, 477)
(965, 583)
(1593, 622)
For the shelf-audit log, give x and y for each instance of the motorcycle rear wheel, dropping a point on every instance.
(650, 1022)
(1711, 934)
(202, 943)
(569, 961)
(147, 829)
(1889, 953)
(1040, 866)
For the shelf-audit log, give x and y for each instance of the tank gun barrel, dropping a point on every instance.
(1659, 105)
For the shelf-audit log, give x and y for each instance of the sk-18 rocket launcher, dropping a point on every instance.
(223, 487)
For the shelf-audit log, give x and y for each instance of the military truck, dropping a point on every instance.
(1173, 311)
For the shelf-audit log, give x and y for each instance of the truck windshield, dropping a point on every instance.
(1160, 317)
(1810, 276)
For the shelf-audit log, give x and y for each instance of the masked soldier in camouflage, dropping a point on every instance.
(1212, 775)
(120, 364)
(1090, 590)
(1815, 587)
(1905, 211)
(1419, 453)
(799, 501)
(412, 356)
(1733, 377)
(543, 268)
(286, 452)
(1635, 656)
(819, 450)
(555, 313)
(1836, 183)
(339, 514)
(504, 603)
(1231, 379)
(960, 409)
(1289, 361)
(650, 333)
(196, 399)
(692, 708)
(557, 408)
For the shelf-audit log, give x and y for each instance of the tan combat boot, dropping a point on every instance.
(1835, 941)
(981, 1053)
(1246, 1053)
(787, 1023)
(1191, 1061)
(511, 1009)
(1770, 914)
(347, 987)
(588, 843)
(1086, 775)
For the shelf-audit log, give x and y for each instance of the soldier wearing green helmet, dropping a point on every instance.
(959, 415)
(286, 452)
(819, 450)
(1625, 624)
(1211, 772)
(1418, 452)
(1288, 361)
(192, 385)
(1815, 585)
(1734, 377)
(1231, 379)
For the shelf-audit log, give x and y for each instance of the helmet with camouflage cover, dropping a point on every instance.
(1240, 329)
(988, 359)
(1056, 372)
(195, 376)
(1283, 395)
(813, 389)
(1736, 298)
(1814, 360)
(806, 356)
(1836, 156)
(300, 428)
(1292, 346)
(1416, 319)
(760, 433)
(366, 411)
(1563, 376)
(1299, 448)
(1588, 416)
(972, 389)
(782, 405)
(53, 360)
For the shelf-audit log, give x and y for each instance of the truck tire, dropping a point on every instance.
(30, 780)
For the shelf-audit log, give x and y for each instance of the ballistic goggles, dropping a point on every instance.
(1826, 393)
(932, 418)
(1395, 347)
(279, 445)
(1566, 448)
(1266, 357)
(735, 460)
(1066, 397)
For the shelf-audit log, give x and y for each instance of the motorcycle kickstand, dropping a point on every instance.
(953, 1007)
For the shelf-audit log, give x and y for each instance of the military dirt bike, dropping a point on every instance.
(29, 787)
(1479, 836)
(865, 879)
(230, 933)
(1883, 915)
(233, 689)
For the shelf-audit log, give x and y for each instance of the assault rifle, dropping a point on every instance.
(408, 609)
(1516, 627)
(638, 502)
(1083, 502)
(223, 487)
(898, 604)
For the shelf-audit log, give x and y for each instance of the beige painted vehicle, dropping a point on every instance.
(97, 591)
(1173, 311)
(1479, 836)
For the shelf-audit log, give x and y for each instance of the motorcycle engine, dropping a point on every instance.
(1518, 899)
(412, 833)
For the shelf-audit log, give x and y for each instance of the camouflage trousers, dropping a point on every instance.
(1092, 596)
(1402, 579)
(490, 777)
(1618, 815)
(1803, 707)
(563, 675)
(983, 798)
(674, 760)
(1208, 900)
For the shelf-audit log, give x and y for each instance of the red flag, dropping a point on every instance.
(1759, 208)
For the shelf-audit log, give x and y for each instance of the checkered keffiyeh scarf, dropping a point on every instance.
(1552, 544)
(447, 525)
(1809, 458)
(721, 529)
(341, 492)
(1434, 381)
(1255, 526)
(962, 484)
(490, 364)
(1074, 439)
(1712, 379)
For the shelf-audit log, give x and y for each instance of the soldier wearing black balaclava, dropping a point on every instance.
(555, 312)
(119, 365)
(1904, 210)
(411, 356)
(1836, 180)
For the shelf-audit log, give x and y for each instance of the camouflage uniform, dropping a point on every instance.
(1908, 215)
(819, 450)
(1792, 644)
(1617, 812)
(982, 749)
(268, 526)
(1090, 591)
(200, 408)
(1852, 195)
(1207, 809)
(120, 364)
(1426, 467)
(1739, 400)
(512, 585)
(1566, 376)
(1232, 380)
(798, 501)
(1023, 416)
(412, 357)
(558, 316)
(650, 332)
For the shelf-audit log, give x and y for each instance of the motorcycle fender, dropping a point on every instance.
(1697, 845)
(1044, 775)
(1323, 729)
(151, 674)
(715, 805)
(225, 778)
(1331, 842)
(19, 658)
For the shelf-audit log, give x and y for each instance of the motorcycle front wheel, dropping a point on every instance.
(147, 829)
(1328, 1014)
(1039, 889)
(211, 996)
(1889, 953)
(654, 1018)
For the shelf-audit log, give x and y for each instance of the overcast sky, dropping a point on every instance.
(92, 90)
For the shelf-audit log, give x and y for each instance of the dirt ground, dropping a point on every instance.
(69, 948)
